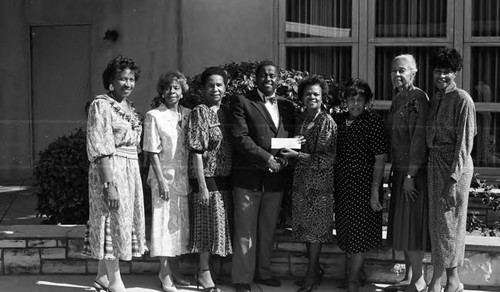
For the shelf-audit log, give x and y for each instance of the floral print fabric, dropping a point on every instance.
(110, 132)
(209, 135)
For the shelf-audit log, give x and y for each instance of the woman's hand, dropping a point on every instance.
(411, 193)
(163, 190)
(287, 152)
(374, 200)
(204, 195)
(301, 139)
(449, 197)
(111, 196)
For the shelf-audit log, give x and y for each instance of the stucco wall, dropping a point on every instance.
(14, 91)
(220, 31)
(160, 35)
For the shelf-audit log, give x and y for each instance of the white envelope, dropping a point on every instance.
(278, 143)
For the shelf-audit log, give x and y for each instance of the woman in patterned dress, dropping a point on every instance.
(210, 166)
(116, 206)
(450, 138)
(312, 191)
(164, 136)
(361, 150)
(408, 228)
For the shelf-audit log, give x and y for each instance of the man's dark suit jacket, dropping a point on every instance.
(252, 131)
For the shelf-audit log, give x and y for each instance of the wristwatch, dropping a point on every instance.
(106, 184)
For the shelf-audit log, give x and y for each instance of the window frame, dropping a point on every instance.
(364, 43)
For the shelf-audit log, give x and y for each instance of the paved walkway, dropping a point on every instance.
(17, 207)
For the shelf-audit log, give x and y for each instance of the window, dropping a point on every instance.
(319, 36)
(359, 38)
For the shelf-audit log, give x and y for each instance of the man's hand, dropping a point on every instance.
(273, 165)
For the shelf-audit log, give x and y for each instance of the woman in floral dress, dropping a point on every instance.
(164, 136)
(208, 140)
(313, 180)
(116, 206)
(361, 150)
(450, 138)
(408, 228)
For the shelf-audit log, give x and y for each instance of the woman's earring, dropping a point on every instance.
(111, 87)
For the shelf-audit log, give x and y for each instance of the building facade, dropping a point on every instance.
(53, 53)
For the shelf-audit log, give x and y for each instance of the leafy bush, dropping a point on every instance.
(242, 80)
(62, 180)
(483, 190)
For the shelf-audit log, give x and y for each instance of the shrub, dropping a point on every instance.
(242, 79)
(61, 174)
(483, 190)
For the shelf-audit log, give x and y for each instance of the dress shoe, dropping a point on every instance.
(100, 287)
(395, 288)
(199, 282)
(180, 281)
(243, 288)
(273, 282)
(416, 289)
(165, 286)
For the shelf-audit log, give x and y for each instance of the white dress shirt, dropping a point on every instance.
(272, 108)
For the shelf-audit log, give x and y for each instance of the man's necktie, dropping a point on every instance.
(271, 99)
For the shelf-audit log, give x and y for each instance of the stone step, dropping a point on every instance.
(51, 249)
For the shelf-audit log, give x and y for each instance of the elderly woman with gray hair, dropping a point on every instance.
(408, 229)
(164, 136)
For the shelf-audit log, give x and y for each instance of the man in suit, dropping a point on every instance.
(257, 176)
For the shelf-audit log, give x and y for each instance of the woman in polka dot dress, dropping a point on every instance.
(361, 150)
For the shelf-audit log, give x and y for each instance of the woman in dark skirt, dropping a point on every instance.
(408, 228)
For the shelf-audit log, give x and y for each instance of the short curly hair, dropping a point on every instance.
(167, 79)
(213, 71)
(448, 58)
(357, 86)
(310, 81)
(118, 64)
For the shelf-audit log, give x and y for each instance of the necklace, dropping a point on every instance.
(310, 124)
(348, 122)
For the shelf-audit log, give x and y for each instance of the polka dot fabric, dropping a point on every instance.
(359, 228)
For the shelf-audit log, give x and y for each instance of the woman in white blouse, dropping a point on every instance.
(168, 177)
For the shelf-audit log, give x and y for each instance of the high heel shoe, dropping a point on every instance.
(313, 285)
(321, 273)
(362, 278)
(353, 286)
(180, 282)
(205, 289)
(99, 287)
(166, 288)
